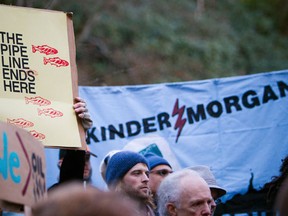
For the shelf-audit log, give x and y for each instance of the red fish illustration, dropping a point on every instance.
(47, 50)
(38, 101)
(37, 135)
(58, 62)
(20, 122)
(50, 112)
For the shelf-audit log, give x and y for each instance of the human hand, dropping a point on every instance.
(82, 112)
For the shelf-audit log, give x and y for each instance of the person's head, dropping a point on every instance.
(184, 193)
(87, 174)
(159, 169)
(206, 173)
(281, 199)
(128, 172)
(104, 163)
(73, 200)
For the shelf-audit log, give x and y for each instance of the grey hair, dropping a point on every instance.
(170, 190)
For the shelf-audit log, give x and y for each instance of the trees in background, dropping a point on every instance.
(141, 42)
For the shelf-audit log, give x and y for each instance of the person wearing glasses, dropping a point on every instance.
(159, 169)
(185, 193)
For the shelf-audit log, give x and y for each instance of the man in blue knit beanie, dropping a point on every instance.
(159, 169)
(128, 173)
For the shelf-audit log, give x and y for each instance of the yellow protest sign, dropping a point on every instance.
(38, 75)
(22, 168)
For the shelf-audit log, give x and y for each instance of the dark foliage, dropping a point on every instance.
(142, 42)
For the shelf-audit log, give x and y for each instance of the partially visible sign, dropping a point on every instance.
(22, 167)
(38, 75)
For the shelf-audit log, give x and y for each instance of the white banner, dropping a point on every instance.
(237, 126)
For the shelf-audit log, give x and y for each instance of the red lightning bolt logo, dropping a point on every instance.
(180, 122)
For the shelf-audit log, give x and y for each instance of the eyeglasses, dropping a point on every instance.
(162, 172)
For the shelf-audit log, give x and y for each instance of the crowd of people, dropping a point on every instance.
(138, 184)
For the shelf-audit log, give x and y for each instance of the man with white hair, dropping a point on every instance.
(184, 193)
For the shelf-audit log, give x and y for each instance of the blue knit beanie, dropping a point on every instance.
(155, 160)
(120, 163)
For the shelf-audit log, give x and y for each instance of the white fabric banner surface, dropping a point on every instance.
(237, 126)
